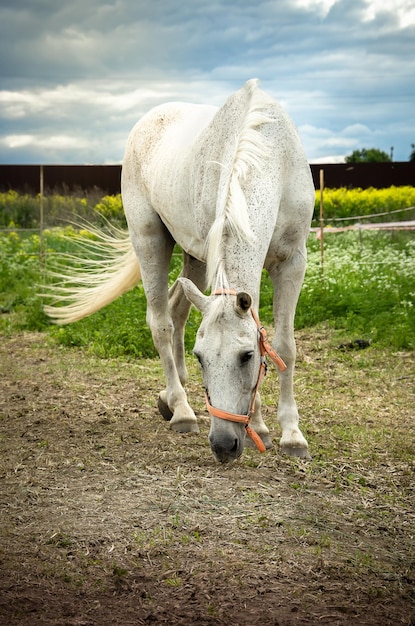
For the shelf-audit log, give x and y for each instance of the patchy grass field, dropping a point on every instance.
(107, 517)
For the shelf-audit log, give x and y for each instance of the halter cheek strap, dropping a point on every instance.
(265, 348)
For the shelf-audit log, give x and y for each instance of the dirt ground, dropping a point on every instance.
(108, 517)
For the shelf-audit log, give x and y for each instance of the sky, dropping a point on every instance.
(75, 76)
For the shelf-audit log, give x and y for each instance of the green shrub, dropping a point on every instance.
(23, 210)
(20, 308)
(18, 210)
(112, 210)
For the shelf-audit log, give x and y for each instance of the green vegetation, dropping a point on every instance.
(347, 204)
(119, 329)
(366, 291)
(23, 210)
(368, 155)
(19, 210)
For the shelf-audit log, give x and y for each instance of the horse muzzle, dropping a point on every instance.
(226, 446)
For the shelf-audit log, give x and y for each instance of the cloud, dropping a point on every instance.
(89, 70)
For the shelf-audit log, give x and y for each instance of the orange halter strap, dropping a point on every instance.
(265, 348)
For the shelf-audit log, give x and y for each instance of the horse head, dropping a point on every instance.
(227, 349)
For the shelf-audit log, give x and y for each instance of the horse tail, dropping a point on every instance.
(110, 270)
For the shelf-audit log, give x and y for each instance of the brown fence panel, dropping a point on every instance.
(107, 177)
(26, 178)
(364, 175)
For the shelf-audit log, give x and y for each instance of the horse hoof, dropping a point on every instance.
(297, 451)
(266, 440)
(164, 410)
(185, 427)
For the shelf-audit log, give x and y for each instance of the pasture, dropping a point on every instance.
(108, 517)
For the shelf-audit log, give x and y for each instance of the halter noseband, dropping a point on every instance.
(265, 348)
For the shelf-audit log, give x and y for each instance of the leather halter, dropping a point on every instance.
(265, 348)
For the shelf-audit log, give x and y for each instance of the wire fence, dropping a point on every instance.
(371, 216)
(401, 225)
(406, 225)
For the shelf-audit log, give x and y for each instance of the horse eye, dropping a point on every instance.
(246, 356)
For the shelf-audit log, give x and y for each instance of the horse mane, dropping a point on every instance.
(249, 150)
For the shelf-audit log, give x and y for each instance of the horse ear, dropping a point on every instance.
(243, 301)
(194, 295)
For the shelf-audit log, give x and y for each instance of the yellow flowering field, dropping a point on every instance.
(343, 203)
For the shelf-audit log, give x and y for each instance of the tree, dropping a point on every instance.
(412, 157)
(372, 155)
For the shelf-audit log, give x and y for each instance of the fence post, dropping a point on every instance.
(322, 221)
(41, 248)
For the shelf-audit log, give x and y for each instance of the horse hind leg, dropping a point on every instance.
(179, 308)
(287, 278)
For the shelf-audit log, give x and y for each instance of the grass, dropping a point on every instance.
(365, 292)
(100, 495)
(367, 287)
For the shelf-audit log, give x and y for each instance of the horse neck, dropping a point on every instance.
(233, 151)
(214, 152)
(239, 269)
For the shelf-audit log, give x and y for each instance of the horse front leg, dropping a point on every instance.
(179, 308)
(287, 278)
(173, 404)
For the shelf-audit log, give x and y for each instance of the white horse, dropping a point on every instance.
(233, 188)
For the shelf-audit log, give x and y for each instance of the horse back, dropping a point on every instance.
(183, 160)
